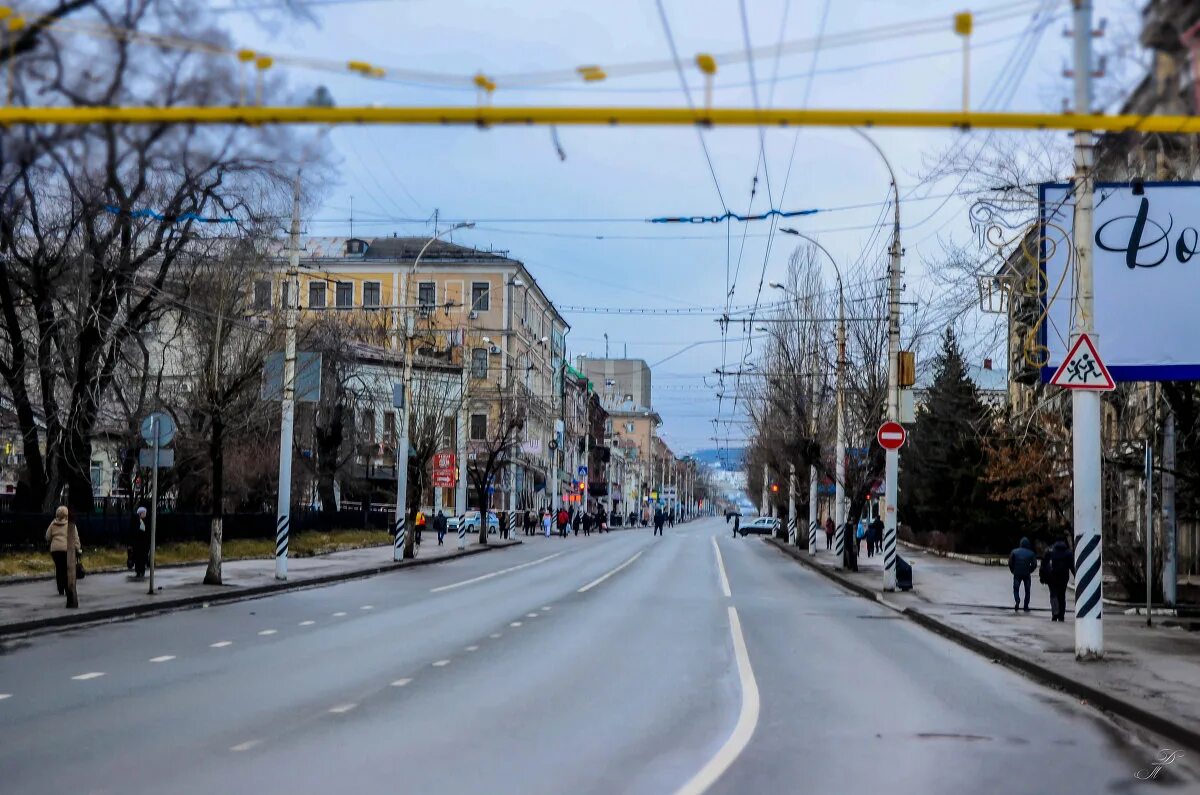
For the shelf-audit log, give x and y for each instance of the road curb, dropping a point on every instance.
(38, 626)
(1098, 698)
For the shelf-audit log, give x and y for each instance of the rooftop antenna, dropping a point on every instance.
(435, 221)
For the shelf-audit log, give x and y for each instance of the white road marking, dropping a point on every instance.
(246, 746)
(220, 644)
(547, 608)
(721, 568)
(268, 632)
(746, 722)
(340, 708)
(339, 614)
(163, 658)
(5, 695)
(493, 574)
(441, 663)
(532, 615)
(308, 623)
(472, 648)
(367, 607)
(87, 676)
(601, 579)
(515, 624)
(495, 634)
(401, 682)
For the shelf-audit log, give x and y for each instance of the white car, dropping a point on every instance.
(471, 518)
(763, 525)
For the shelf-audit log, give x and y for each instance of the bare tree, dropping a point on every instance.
(489, 455)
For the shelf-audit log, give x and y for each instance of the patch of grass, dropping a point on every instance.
(26, 563)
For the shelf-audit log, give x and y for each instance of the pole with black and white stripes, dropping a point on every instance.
(792, 504)
(1085, 403)
(291, 299)
(812, 467)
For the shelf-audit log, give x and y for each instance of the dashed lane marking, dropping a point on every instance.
(246, 746)
(87, 676)
(532, 615)
(268, 632)
(220, 644)
(441, 663)
(546, 608)
(721, 569)
(495, 635)
(604, 577)
(341, 708)
(5, 695)
(515, 624)
(308, 623)
(163, 658)
(401, 682)
(483, 577)
(743, 730)
(472, 648)
(339, 614)
(367, 607)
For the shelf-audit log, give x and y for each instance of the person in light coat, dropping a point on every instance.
(57, 534)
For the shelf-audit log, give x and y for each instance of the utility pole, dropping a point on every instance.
(400, 547)
(1085, 403)
(839, 499)
(891, 478)
(791, 525)
(763, 506)
(812, 466)
(1168, 508)
(286, 426)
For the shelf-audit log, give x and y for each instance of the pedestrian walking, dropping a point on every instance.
(419, 525)
(57, 534)
(659, 518)
(563, 519)
(601, 521)
(829, 532)
(1058, 564)
(1022, 562)
(737, 524)
(439, 526)
(140, 546)
(585, 519)
(546, 522)
(580, 522)
(876, 534)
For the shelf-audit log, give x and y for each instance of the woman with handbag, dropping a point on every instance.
(57, 534)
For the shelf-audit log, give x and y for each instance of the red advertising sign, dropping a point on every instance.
(445, 472)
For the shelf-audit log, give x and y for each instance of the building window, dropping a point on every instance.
(480, 292)
(97, 475)
(316, 295)
(368, 426)
(262, 294)
(478, 427)
(371, 295)
(389, 427)
(344, 296)
(479, 362)
(629, 427)
(427, 294)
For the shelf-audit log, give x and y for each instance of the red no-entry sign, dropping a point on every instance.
(891, 436)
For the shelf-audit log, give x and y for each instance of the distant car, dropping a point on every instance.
(471, 519)
(762, 526)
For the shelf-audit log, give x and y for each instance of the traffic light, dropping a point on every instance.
(774, 488)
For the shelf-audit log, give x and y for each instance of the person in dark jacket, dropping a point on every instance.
(140, 547)
(659, 519)
(1058, 564)
(737, 524)
(439, 526)
(829, 528)
(876, 534)
(1021, 562)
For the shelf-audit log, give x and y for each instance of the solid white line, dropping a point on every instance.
(246, 746)
(268, 632)
(441, 663)
(483, 577)
(746, 722)
(340, 708)
(602, 578)
(163, 658)
(220, 644)
(308, 623)
(721, 568)
(85, 677)
(401, 682)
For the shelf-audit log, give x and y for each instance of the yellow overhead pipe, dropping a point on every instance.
(635, 116)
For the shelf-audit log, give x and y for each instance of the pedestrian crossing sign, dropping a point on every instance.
(1083, 369)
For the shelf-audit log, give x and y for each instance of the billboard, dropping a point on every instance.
(1146, 286)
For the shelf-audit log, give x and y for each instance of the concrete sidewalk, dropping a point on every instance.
(1150, 674)
(35, 605)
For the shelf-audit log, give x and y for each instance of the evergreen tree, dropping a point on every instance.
(943, 478)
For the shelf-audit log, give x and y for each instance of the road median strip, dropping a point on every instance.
(224, 596)
(1093, 696)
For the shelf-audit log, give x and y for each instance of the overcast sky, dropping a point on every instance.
(511, 181)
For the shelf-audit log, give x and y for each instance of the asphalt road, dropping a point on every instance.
(614, 663)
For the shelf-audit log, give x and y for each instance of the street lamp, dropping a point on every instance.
(403, 546)
(840, 448)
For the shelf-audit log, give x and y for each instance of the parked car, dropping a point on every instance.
(762, 526)
(471, 518)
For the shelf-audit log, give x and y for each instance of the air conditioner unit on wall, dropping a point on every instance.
(473, 315)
